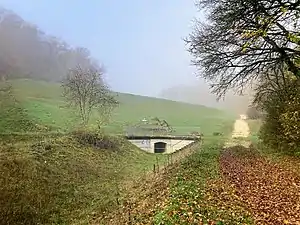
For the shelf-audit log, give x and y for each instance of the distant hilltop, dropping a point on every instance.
(201, 94)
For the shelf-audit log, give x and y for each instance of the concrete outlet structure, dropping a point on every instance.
(159, 144)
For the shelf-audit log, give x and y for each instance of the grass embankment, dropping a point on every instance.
(50, 178)
(62, 180)
(44, 104)
(190, 192)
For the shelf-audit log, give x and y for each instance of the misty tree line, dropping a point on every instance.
(27, 52)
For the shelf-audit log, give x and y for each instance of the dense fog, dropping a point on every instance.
(200, 93)
(28, 52)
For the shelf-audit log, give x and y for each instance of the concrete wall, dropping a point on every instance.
(172, 144)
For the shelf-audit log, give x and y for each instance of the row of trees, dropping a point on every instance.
(254, 43)
(27, 52)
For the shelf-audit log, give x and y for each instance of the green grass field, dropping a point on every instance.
(49, 178)
(44, 104)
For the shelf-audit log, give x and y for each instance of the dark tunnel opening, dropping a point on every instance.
(160, 147)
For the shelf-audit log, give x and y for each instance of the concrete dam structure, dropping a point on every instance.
(162, 144)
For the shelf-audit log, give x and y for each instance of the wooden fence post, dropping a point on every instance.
(129, 213)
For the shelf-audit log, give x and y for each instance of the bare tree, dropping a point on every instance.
(242, 40)
(85, 90)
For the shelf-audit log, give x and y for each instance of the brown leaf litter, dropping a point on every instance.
(271, 192)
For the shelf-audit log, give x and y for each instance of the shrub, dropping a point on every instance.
(281, 127)
(95, 140)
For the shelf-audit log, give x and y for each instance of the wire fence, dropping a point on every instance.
(125, 213)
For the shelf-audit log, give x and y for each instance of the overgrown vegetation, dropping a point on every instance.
(55, 178)
(50, 178)
(152, 126)
(79, 176)
(281, 127)
(65, 180)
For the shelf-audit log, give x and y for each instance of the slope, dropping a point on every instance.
(54, 179)
(63, 179)
(43, 102)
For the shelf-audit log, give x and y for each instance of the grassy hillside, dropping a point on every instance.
(54, 178)
(43, 102)
(57, 180)
(192, 192)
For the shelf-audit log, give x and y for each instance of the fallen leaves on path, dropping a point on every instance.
(200, 196)
(271, 192)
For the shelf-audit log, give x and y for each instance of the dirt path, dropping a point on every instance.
(240, 130)
(270, 192)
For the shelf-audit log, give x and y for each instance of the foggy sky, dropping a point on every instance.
(139, 42)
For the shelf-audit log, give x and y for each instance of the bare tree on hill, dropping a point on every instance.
(85, 90)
